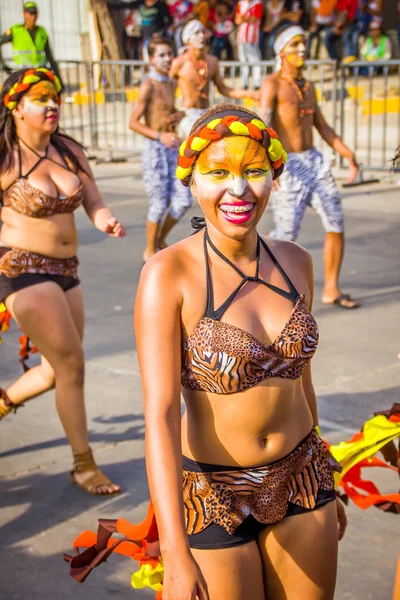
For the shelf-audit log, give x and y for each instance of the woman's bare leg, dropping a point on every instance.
(54, 322)
(300, 556)
(152, 231)
(33, 383)
(232, 573)
(168, 224)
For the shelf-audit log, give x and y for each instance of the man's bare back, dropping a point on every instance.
(194, 77)
(291, 118)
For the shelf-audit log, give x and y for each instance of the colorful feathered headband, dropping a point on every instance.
(217, 127)
(30, 77)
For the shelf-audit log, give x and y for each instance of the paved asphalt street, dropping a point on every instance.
(356, 371)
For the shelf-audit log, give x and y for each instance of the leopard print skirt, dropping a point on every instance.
(226, 496)
(14, 262)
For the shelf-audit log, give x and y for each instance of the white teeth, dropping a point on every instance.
(236, 209)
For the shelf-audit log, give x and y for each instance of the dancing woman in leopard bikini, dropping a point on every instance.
(225, 316)
(44, 178)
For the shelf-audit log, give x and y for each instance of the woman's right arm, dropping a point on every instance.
(158, 337)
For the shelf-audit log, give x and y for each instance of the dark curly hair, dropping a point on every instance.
(8, 134)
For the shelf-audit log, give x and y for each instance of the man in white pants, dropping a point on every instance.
(248, 18)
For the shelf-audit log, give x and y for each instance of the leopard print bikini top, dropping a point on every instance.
(224, 359)
(27, 200)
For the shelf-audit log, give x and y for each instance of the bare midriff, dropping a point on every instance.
(254, 427)
(54, 236)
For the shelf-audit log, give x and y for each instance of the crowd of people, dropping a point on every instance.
(246, 29)
(243, 482)
(227, 157)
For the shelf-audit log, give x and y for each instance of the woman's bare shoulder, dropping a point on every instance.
(293, 258)
(288, 250)
(172, 265)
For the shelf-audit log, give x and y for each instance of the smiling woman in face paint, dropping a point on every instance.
(231, 180)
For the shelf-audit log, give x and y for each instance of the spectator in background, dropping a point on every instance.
(398, 24)
(132, 34)
(293, 12)
(211, 13)
(155, 18)
(377, 46)
(274, 11)
(367, 10)
(345, 15)
(201, 11)
(322, 15)
(248, 19)
(222, 27)
(181, 12)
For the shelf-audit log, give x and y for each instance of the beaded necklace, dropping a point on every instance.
(301, 93)
(201, 66)
(153, 74)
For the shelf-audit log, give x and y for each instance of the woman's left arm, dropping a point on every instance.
(94, 204)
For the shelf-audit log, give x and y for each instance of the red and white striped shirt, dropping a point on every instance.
(249, 33)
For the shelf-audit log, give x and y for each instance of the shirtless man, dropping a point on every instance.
(156, 103)
(288, 102)
(195, 70)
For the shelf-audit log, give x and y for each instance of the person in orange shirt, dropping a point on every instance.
(201, 11)
(322, 15)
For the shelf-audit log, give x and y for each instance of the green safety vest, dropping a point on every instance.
(26, 52)
(379, 53)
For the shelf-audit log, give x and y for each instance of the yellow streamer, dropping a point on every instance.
(147, 576)
(378, 432)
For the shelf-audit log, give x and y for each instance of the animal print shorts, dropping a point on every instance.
(226, 507)
(306, 181)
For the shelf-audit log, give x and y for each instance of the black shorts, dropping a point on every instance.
(9, 285)
(216, 537)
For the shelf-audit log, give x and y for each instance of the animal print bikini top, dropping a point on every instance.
(224, 359)
(27, 200)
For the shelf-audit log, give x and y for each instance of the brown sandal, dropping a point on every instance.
(85, 462)
(6, 405)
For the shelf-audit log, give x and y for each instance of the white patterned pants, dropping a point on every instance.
(306, 181)
(164, 190)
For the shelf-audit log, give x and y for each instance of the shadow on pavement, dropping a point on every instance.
(135, 432)
(44, 503)
(350, 411)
